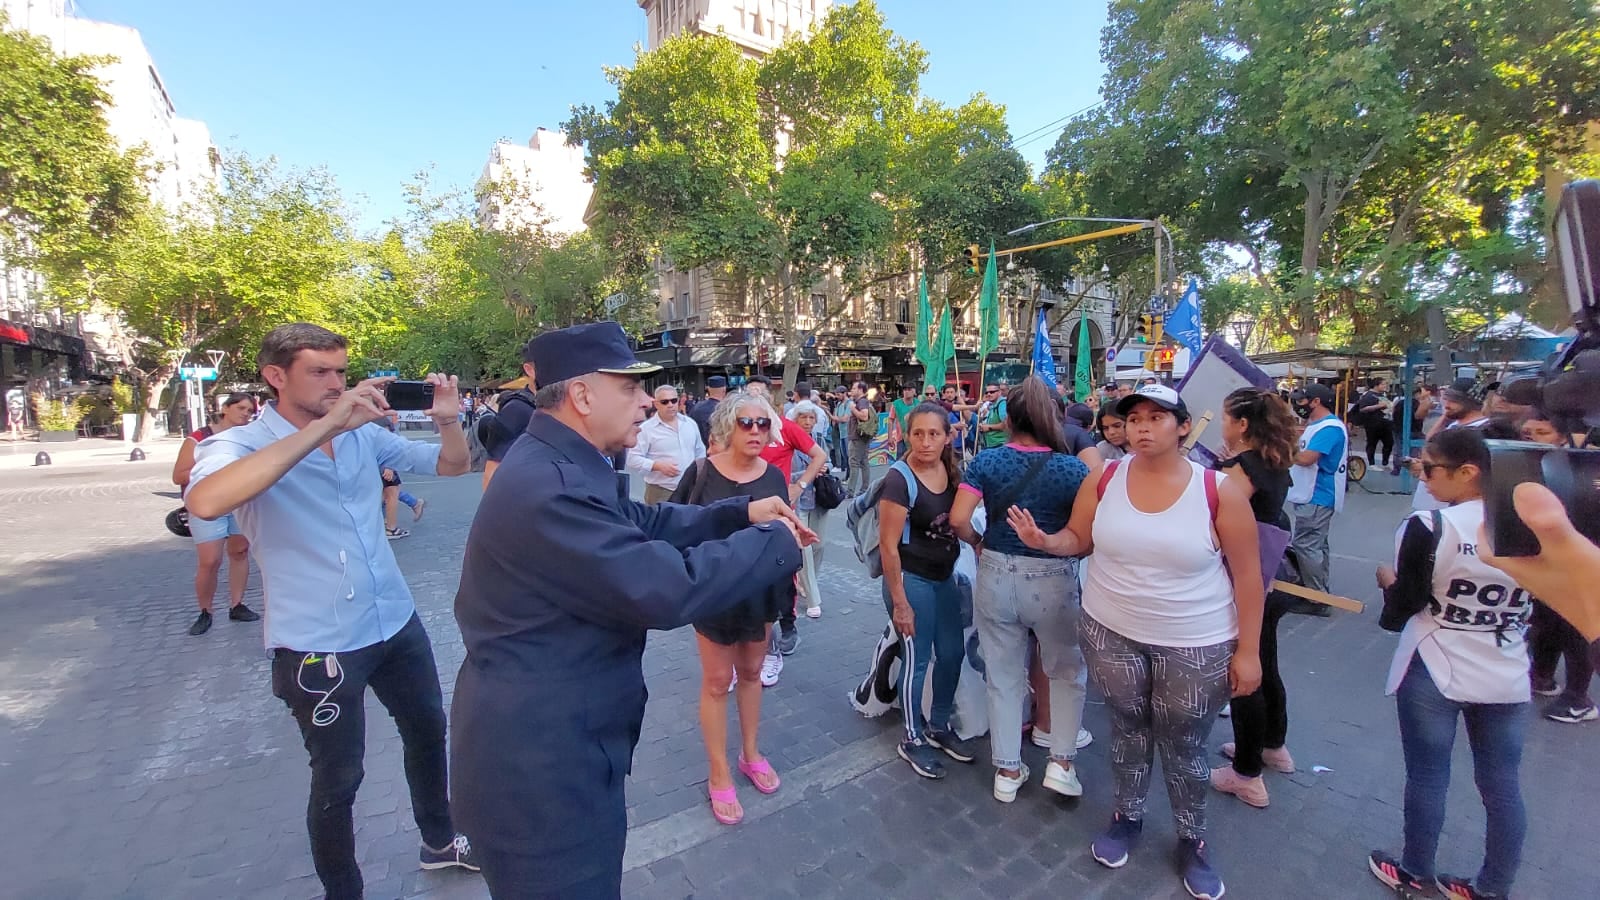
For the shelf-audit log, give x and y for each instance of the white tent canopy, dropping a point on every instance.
(1512, 326)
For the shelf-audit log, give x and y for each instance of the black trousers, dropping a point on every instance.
(1379, 432)
(1261, 719)
(519, 876)
(331, 712)
(1552, 639)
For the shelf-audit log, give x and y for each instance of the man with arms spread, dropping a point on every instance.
(550, 698)
(668, 444)
(303, 483)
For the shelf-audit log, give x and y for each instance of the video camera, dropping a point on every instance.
(1570, 391)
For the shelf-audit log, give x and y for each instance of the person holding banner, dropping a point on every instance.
(1258, 436)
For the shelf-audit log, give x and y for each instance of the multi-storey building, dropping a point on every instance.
(541, 183)
(41, 345)
(708, 325)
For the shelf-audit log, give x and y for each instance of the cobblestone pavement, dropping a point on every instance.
(139, 762)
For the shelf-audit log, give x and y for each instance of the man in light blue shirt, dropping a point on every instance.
(304, 482)
(1317, 483)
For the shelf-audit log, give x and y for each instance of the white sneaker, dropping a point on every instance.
(1227, 711)
(813, 612)
(1063, 780)
(1005, 788)
(771, 668)
(1042, 738)
(734, 683)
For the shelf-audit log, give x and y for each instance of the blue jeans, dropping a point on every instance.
(408, 499)
(1495, 732)
(936, 608)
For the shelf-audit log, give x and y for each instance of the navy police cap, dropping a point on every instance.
(582, 349)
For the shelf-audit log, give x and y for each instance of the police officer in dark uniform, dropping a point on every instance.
(560, 582)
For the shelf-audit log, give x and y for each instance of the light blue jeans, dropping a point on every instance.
(1015, 595)
(936, 610)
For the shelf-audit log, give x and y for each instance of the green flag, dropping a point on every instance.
(1082, 373)
(944, 348)
(924, 322)
(989, 309)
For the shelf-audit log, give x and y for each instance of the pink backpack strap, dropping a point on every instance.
(1105, 479)
(1213, 501)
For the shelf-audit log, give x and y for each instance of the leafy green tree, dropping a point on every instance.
(66, 191)
(266, 246)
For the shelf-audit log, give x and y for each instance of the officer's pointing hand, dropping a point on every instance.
(772, 509)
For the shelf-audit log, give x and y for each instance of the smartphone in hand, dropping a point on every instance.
(1572, 475)
(409, 395)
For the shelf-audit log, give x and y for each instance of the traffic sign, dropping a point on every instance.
(197, 373)
(1111, 355)
(1157, 306)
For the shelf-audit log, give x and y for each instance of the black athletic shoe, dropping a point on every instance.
(457, 853)
(951, 743)
(1461, 889)
(923, 758)
(788, 640)
(1387, 869)
(202, 623)
(1199, 879)
(242, 613)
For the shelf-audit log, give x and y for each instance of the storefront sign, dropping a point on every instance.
(851, 364)
(15, 334)
(695, 337)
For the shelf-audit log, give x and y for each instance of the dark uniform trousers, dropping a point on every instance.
(550, 699)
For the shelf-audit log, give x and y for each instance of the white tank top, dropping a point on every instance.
(1158, 578)
(1471, 637)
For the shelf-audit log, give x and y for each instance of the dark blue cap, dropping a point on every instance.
(582, 349)
(716, 381)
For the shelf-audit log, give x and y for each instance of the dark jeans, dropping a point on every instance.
(1261, 719)
(1495, 731)
(936, 614)
(1552, 639)
(1379, 433)
(331, 712)
(519, 876)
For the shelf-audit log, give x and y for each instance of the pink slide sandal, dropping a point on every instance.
(763, 768)
(725, 795)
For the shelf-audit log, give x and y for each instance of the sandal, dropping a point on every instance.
(725, 795)
(764, 768)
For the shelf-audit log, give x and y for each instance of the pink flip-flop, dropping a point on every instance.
(751, 770)
(725, 795)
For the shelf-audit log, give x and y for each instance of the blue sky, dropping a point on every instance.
(376, 91)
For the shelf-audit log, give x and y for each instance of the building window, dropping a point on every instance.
(819, 307)
(905, 311)
(669, 311)
(687, 304)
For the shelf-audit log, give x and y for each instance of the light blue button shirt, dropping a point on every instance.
(329, 575)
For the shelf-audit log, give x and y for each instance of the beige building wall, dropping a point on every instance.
(546, 177)
(758, 26)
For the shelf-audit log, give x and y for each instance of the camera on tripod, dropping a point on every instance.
(1570, 395)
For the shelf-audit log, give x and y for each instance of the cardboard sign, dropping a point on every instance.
(1218, 371)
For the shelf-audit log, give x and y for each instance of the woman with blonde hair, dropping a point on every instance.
(733, 644)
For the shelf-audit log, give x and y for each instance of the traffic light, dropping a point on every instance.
(971, 256)
(1165, 357)
(1147, 327)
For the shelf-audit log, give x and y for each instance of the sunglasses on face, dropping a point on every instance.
(670, 401)
(1429, 467)
(750, 424)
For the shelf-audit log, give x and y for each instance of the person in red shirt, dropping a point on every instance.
(780, 453)
(213, 536)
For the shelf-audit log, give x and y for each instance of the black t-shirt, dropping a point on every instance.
(1078, 440)
(1370, 418)
(516, 411)
(1272, 487)
(764, 606)
(934, 548)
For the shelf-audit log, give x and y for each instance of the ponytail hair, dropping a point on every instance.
(1267, 423)
(1032, 409)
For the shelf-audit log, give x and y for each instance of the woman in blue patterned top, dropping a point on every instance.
(1021, 590)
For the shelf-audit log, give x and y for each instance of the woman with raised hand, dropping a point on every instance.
(733, 645)
(1171, 618)
(1022, 589)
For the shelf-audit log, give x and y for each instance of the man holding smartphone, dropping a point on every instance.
(304, 483)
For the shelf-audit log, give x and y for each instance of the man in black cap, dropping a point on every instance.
(1317, 482)
(716, 389)
(550, 699)
(1463, 408)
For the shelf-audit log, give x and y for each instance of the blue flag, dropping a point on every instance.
(1044, 361)
(1183, 323)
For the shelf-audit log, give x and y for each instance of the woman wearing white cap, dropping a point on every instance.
(1167, 631)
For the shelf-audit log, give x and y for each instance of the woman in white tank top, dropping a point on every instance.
(1168, 633)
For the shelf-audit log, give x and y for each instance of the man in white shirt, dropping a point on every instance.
(668, 445)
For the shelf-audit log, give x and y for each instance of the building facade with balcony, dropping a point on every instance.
(538, 184)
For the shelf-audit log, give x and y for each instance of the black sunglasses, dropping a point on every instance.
(749, 424)
(1428, 467)
(670, 401)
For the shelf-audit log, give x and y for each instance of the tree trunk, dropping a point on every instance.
(1306, 326)
(793, 341)
(151, 390)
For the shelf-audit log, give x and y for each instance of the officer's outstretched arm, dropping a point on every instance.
(684, 526)
(613, 574)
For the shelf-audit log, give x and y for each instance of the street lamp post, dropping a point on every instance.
(1242, 328)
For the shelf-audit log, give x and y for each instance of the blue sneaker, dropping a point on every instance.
(1110, 849)
(1199, 879)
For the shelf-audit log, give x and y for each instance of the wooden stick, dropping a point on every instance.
(1315, 596)
(1194, 433)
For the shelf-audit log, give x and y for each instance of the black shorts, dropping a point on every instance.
(391, 480)
(730, 633)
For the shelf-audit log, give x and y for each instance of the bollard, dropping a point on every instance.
(41, 458)
(136, 455)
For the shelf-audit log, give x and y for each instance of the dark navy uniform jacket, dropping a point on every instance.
(560, 582)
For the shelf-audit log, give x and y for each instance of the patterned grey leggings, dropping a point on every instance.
(1159, 697)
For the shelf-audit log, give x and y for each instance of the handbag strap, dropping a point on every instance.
(699, 490)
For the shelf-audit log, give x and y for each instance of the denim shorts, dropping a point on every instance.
(204, 531)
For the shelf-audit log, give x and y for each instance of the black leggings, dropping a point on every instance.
(1379, 433)
(1261, 719)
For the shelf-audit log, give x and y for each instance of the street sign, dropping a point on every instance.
(1157, 306)
(1111, 355)
(197, 373)
(614, 303)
